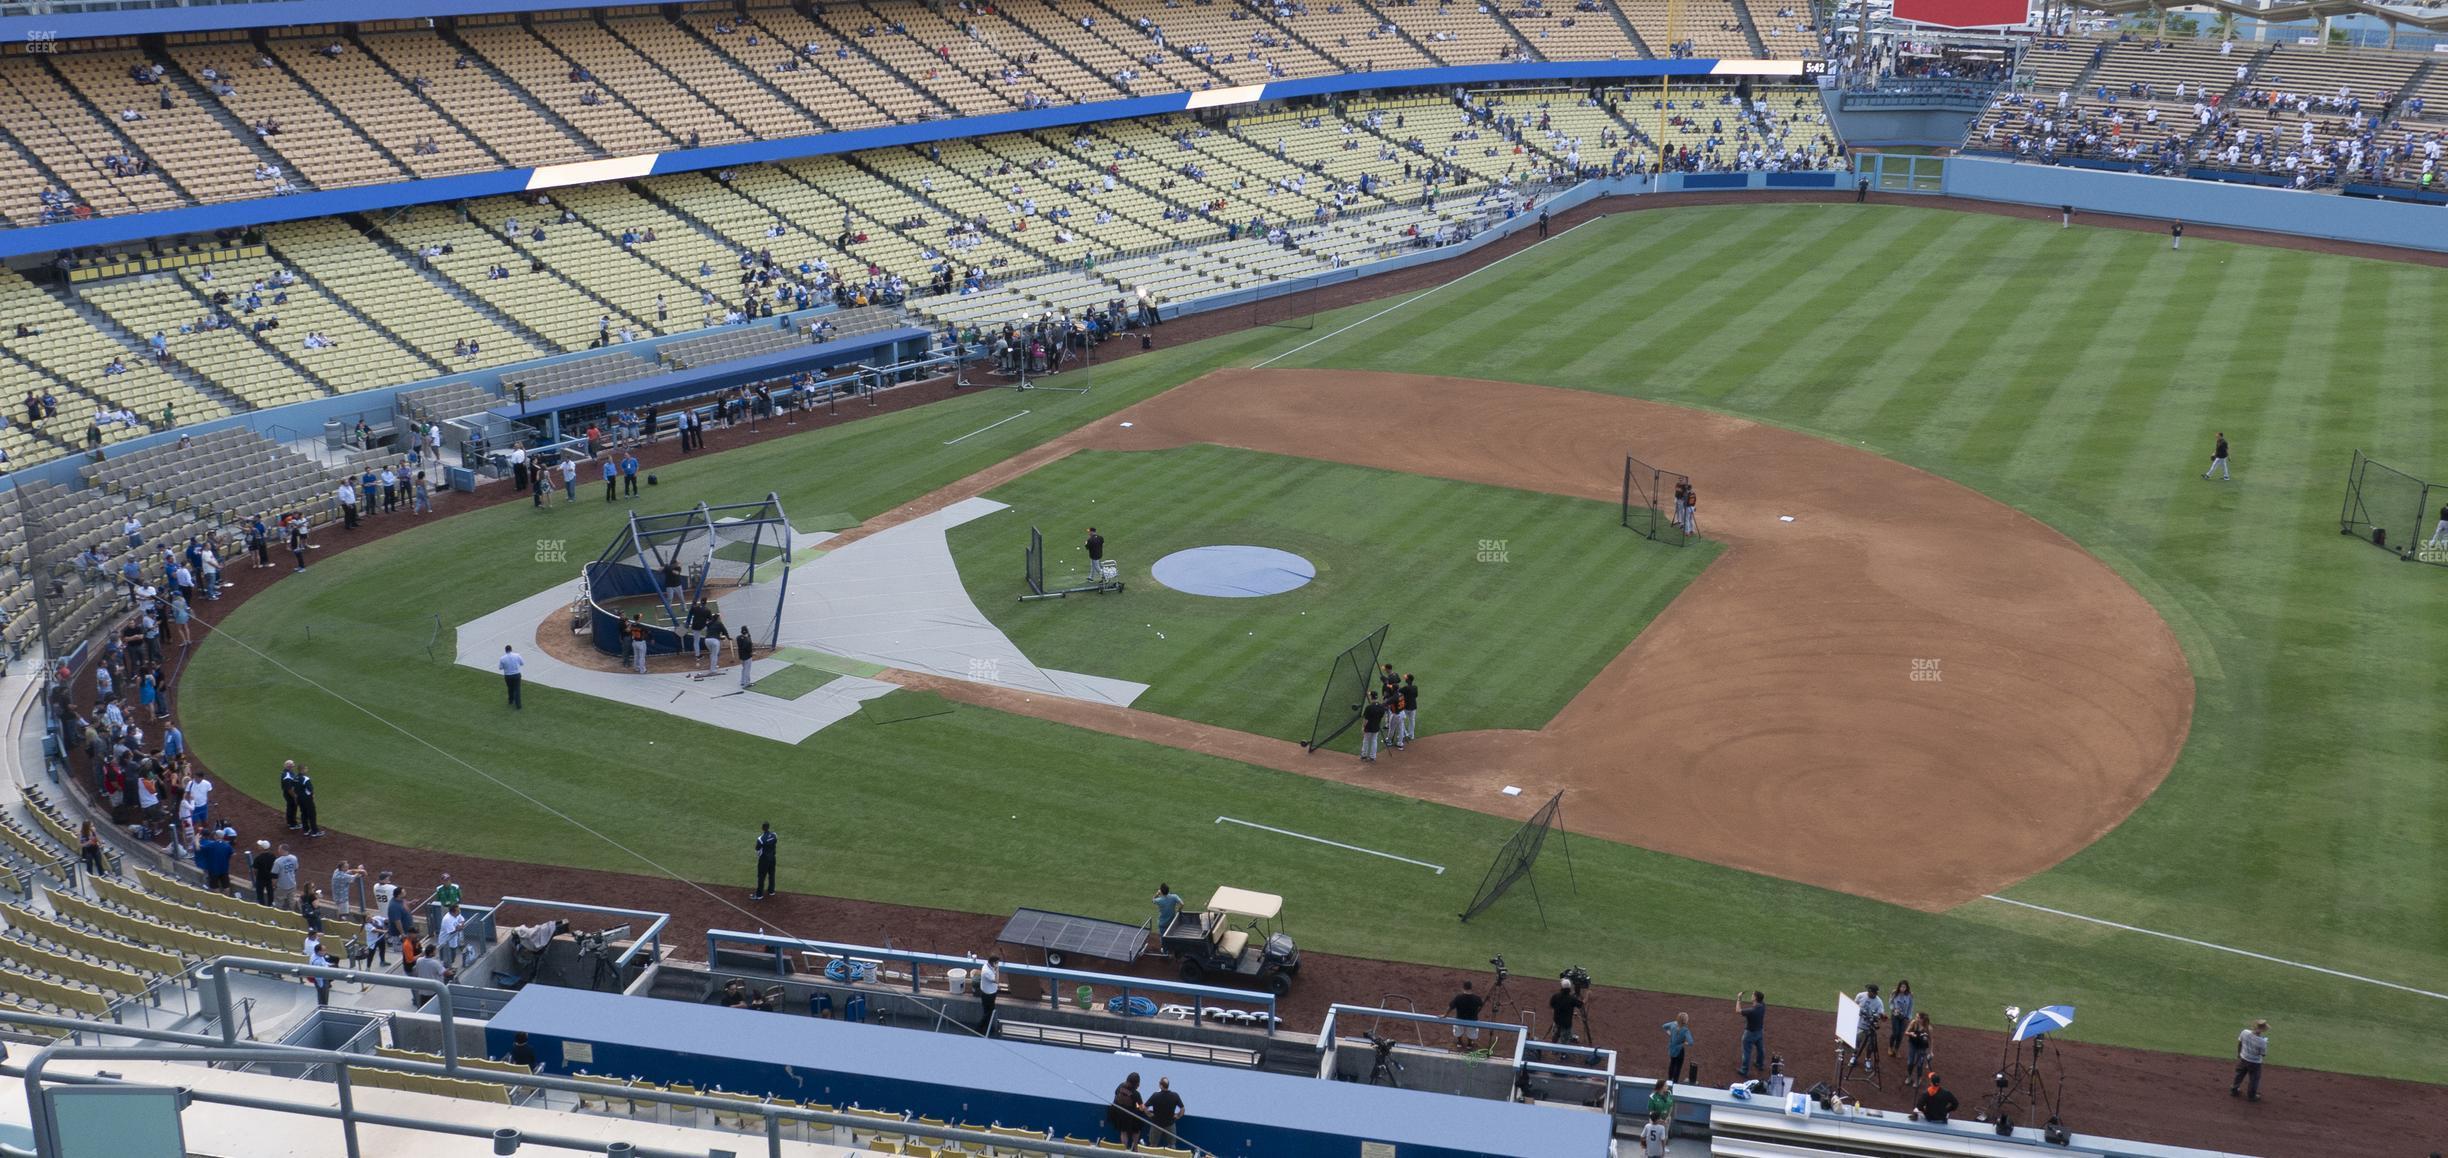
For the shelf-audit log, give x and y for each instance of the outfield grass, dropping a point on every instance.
(1434, 557)
(2078, 374)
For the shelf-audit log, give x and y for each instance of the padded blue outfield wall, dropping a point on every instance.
(1237, 1113)
(103, 232)
(2407, 224)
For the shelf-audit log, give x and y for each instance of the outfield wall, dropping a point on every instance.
(2397, 223)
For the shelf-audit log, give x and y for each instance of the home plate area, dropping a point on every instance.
(892, 600)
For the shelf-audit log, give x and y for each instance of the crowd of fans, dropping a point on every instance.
(2269, 128)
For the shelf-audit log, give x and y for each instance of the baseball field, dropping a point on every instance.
(2011, 651)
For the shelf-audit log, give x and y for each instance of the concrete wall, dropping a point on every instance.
(2397, 223)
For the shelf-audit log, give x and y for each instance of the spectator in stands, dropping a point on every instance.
(450, 938)
(1128, 1114)
(89, 848)
(394, 905)
(429, 967)
(346, 887)
(212, 855)
(374, 939)
(284, 878)
(261, 866)
(199, 808)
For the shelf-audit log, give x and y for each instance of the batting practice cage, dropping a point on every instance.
(733, 558)
(1519, 856)
(1292, 307)
(1347, 686)
(1102, 578)
(1649, 505)
(2393, 510)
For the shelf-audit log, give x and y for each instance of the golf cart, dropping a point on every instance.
(1235, 939)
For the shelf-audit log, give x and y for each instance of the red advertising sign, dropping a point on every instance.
(1965, 13)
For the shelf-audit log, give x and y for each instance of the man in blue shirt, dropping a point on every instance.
(511, 665)
(213, 856)
(1754, 1013)
(1678, 1042)
(1168, 905)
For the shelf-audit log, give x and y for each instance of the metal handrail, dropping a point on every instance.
(652, 936)
(1199, 995)
(440, 992)
(195, 1048)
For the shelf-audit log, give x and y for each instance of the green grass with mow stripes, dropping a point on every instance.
(2077, 374)
(1431, 556)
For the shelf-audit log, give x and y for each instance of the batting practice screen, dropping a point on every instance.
(1347, 685)
(1294, 307)
(1649, 505)
(2391, 509)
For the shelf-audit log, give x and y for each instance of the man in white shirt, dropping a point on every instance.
(346, 495)
(199, 800)
(452, 938)
(989, 986)
(512, 664)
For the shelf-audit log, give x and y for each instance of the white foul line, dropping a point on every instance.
(988, 426)
(1337, 331)
(2220, 948)
(1440, 869)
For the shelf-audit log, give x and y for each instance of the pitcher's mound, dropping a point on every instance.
(1233, 572)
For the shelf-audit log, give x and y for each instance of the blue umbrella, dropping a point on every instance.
(2045, 1020)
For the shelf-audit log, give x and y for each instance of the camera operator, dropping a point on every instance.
(1865, 1038)
(1564, 1004)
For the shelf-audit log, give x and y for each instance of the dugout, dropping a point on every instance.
(959, 1078)
(572, 411)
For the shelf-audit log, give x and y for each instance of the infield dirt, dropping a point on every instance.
(1901, 641)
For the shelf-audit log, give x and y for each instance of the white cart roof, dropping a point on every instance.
(1244, 903)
